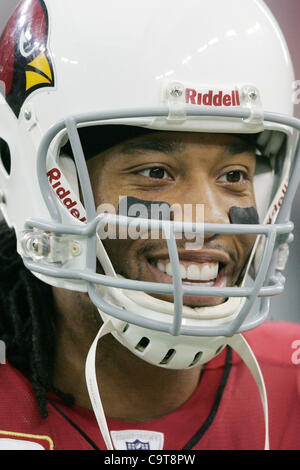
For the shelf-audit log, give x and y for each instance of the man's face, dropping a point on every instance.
(180, 168)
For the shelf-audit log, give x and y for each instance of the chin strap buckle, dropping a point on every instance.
(41, 246)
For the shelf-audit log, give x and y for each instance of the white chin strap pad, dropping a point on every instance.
(92, 385)
(237, 342)
(240, 345)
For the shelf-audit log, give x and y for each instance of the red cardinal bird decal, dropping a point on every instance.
(25, 62)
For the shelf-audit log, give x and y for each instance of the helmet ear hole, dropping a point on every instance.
(142, 344)
(167, 358)
(196, 359)
(5, 156)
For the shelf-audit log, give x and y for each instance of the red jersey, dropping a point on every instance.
(224, 412)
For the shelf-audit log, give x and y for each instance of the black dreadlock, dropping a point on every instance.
(27, 321)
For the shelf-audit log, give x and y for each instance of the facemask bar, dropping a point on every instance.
(268, 281)
(251, 293)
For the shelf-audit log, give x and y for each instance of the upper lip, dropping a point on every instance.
(202, 256)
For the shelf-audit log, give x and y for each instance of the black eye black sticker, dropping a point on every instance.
(130, 206)
(243, 215)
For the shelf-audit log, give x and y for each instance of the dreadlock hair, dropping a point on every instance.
(27, 321)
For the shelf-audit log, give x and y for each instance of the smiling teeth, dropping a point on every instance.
(193, 272)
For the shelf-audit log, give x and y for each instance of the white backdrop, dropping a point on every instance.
(287, 12)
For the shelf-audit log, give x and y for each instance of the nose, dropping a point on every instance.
(202, 199)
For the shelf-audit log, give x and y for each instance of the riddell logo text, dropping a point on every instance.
(278, 205)
(54, 176)
(212, 98)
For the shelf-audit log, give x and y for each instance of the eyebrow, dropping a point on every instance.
(153, 145)
(167, 147)
(241, 147)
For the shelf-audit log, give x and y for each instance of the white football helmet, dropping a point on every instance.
(217, 67)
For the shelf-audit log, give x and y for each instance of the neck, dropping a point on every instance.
(130, 388)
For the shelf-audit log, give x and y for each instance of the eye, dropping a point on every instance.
(235, 176)
(155, 173)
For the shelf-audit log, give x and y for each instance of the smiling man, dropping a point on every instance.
(129, 322)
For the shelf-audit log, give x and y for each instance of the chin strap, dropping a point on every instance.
(237, 342)
(240, 345)
(92, 385)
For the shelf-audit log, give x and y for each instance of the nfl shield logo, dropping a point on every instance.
(137, 439)
(137, 445)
